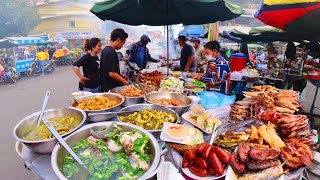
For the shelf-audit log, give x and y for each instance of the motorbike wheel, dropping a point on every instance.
(12, 79)
(18, 75)
(49, 69)
(29, 72)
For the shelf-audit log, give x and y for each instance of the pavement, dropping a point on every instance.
(20, 100)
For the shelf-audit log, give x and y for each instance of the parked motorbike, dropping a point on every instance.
(68, 59)
(35, 68)
(10, 75)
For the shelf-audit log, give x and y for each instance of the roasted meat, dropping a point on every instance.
(296, 154)
(263, 154)
(236, 165)
(259, 165)
(243, 151)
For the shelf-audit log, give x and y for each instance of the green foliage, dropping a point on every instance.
(18, 17)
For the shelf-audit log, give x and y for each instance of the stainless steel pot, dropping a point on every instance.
(45, 146)
(128, 100)
(186, 102)
(101, 117)
(59, 152)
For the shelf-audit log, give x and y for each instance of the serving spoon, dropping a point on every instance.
(83, 174)
(45, 101)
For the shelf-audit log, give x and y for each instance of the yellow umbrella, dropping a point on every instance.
(213, 32)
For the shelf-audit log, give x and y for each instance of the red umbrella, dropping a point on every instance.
(296, 16)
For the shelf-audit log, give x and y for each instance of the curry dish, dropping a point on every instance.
(149, 119)
(97, 103)
(131, 91)
(167, 102)
(62, 124)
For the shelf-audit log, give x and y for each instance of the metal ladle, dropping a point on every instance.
(83, 174)
(45, 101)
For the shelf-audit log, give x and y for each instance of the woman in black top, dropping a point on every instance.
(91, 76)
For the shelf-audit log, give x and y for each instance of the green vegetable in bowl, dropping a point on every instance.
(121, 155)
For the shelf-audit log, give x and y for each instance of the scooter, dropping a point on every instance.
(10, 75)
(35, 68)
(68, 59)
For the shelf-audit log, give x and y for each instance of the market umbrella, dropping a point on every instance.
(193, 31)
(263, 34)
(57, 40)
(166, 12)
(213, 32)
(293, 16)
(5, 43)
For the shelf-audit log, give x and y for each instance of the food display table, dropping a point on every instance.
(261, 102)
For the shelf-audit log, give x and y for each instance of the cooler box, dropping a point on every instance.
(238, 62)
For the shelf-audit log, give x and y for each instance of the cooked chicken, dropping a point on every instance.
(113, 146)
(128, 139)
(137, 162)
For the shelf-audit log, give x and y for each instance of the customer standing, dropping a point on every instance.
(200, 60)
(90, 80)
(186, 56)
(41, 57)
(110, 70)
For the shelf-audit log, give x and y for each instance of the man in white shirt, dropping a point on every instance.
(199, 55)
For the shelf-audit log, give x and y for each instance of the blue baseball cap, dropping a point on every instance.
(195, 39)
(145, 37)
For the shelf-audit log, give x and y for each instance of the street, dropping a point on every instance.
(20, 100)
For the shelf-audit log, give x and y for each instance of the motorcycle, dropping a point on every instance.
(10, 75)
(35, 68)
(68, 59)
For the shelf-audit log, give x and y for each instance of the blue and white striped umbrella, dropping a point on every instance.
(58, 39)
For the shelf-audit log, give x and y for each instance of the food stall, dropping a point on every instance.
(25, 51)
(192, 139)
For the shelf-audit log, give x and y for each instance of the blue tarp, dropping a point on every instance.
(193, 31)
(23, 65)
(26, 40)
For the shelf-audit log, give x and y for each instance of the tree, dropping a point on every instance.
(18, 17)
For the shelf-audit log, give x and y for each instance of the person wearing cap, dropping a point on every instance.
(200, 60)
(186, 56)
(139, 53)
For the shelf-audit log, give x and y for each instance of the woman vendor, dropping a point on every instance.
(217, 73)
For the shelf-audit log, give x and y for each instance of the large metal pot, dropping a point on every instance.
(186, 102)
(128, 100)
(45, 146)
(101, 117)
(59, 152)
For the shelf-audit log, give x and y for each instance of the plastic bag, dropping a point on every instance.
(236, 76)
(212, 99)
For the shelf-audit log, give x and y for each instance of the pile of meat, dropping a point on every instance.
(244, 110)
(251, 158)
(292, 125)
(297, 153)
(288, 125)
(153, 78)
(284, 101)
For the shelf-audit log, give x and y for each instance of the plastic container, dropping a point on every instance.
(238, 62)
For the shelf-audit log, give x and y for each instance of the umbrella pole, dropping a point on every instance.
(167, 50)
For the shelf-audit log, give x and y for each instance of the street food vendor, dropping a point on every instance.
(139, 53)
(187, 55)
(218, 71)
